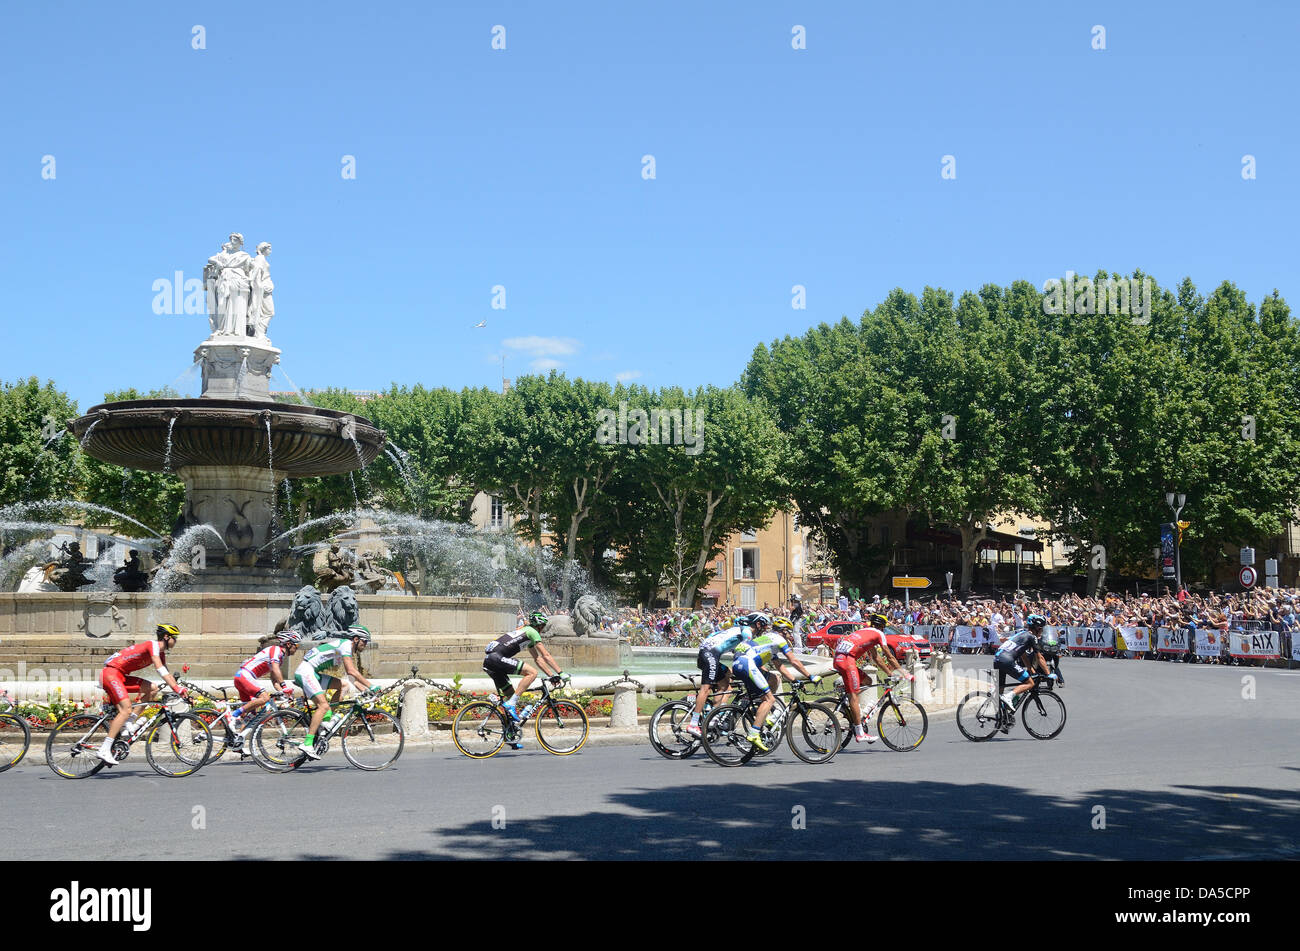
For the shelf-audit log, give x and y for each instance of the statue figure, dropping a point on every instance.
(231, 267)
(131, 577)
(69, 572)
(261, 307)
(342, 610)
(587, 613)
(338, 570)
(307, 613)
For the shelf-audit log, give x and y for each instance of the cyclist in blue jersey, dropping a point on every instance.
(1019, 651)
(714, 675)
(748, 669)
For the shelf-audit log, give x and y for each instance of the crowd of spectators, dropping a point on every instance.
(1275, 609)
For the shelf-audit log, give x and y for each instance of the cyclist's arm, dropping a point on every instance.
(544, 659)
(277, 676)
(353, 674)
(163, 672)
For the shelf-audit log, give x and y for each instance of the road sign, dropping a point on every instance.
(1247, 576)
(906, 582)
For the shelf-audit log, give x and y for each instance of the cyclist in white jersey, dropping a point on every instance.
(275, 651)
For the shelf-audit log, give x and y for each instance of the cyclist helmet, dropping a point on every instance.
(167, 630)
(879, 621)
(538, 619)
(1048, 644)
(760, 620)
(727, 623)
(287, 637)
(360, 632)
(1035, 621)
(782, 624)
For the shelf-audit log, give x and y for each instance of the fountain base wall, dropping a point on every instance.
(44, 636)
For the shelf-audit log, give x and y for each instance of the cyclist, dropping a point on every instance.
(864, 642)
(119, 684)
(1022, 645)
(500, 662)
(714, 675)
(748, 668)
(275, 650)
(333, 651)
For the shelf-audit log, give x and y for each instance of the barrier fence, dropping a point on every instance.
(1249, 641)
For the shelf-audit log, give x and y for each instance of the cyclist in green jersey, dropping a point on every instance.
(331, 652)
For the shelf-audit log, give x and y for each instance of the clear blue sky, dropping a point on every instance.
(522, 167)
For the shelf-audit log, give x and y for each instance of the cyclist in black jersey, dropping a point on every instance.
(500, 661)
(1025, 645)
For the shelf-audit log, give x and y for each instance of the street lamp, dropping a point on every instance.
(1181, 499)
(1019, 548)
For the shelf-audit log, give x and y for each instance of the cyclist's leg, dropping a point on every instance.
(847, 668)
(712, 672)
(528, 674)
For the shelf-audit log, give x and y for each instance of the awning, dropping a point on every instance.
(999, 541)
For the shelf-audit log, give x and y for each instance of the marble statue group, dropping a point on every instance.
(239, 290)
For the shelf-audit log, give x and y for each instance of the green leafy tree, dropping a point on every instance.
(39, 459)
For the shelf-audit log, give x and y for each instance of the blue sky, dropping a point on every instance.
(523, 168)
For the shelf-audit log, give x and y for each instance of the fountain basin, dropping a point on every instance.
(305, 440)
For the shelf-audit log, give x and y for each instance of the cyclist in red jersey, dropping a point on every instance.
(869, 642)
(119, 685)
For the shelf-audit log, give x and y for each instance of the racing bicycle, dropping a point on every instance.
(176, 744)
(218, 721)
(901, 722)
(982, 713)
(482, 727)
(371, 738)
(15, 736)
(811, 729)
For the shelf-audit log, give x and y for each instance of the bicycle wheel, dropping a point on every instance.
(668, 730)
(276, 743)
(561, 727)
(724, 740)
(216, 724)
(15, 737)
(778, 709)
(70, 747)
(813, 732)
(178, 746)
(1043, 715)
(902, 723)
(373, 740)
(977, 715)
(479, 730)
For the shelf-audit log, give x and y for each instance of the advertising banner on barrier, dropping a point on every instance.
(969, 637)
(1171, 640)
(1209, 643)
(939, 635)
(1091, 638)
(1133, 639)
(1257, 645)
(1295, 645)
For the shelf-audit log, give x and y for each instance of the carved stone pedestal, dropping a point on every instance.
(237, 367)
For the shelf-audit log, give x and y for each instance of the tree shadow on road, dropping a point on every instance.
(881, 820)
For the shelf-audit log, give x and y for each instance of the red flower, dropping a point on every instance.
(185, 668)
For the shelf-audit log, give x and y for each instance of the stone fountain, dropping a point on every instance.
(234, 445)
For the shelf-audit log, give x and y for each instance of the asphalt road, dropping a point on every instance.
(1187, 762)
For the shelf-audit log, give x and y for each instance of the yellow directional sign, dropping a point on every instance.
(905, 582)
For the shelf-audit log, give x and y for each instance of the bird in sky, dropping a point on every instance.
(481, 323)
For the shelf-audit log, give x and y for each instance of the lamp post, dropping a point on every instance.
(1181, 499)
(948, 575)
(1019, 549)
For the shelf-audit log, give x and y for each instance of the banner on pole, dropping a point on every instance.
(1171, 640)
(1209, 643)
(1256, 645)
(1133, 639)
(1091, 638)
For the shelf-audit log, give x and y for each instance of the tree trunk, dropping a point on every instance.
(706, 543)
(971, 536)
